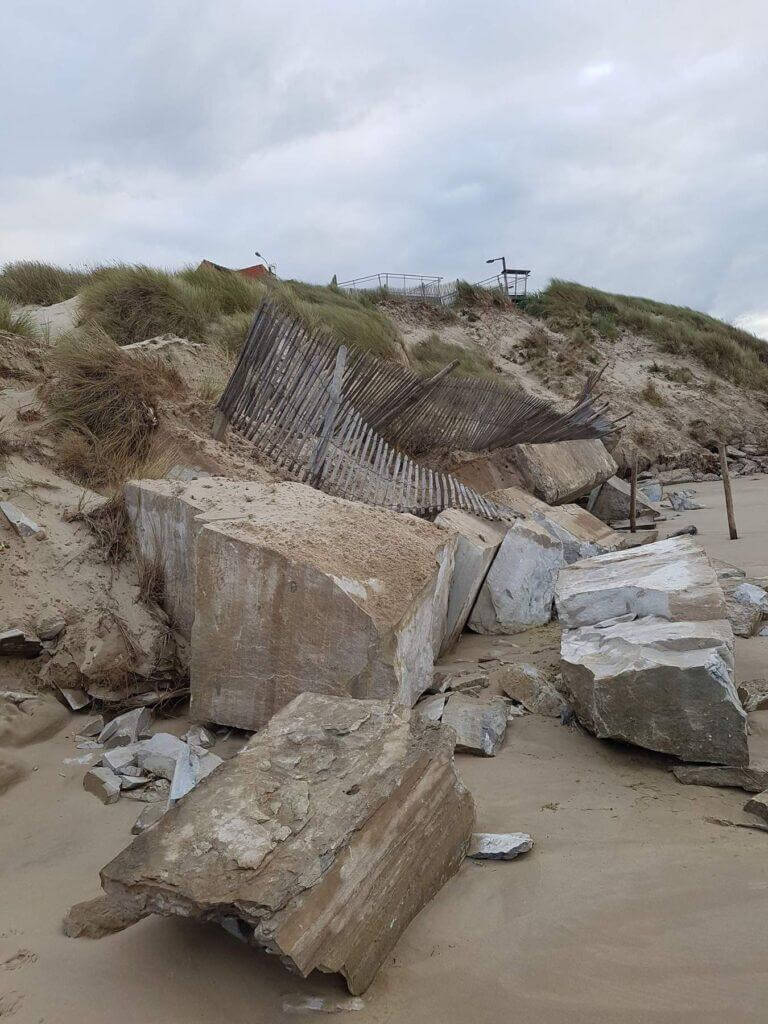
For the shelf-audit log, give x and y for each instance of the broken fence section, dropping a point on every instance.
(332, 416)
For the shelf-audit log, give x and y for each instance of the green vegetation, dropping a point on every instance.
(21, 324)
(31, 283)
(431, 354)
(102, 408)
(731, 353)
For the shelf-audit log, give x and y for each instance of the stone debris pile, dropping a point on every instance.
(647, 652)
(318, 842)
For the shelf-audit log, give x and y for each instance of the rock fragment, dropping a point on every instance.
(160, 753)
(758, 805)
(93, 919)
(499, 846)
(22, 524)
(149, 816)
(746, 605)
(199, 736)
(517, 592)
(480, 724)
(529, 686)
(613, 501)
(346, 856)
(432, 707)
(126, 728)
(562, 471)
(76, 700)
(103, 783)
(753, 694)
(17, 642)
(752, 777)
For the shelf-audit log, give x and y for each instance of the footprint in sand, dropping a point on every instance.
(19, 959)
(9, 1003)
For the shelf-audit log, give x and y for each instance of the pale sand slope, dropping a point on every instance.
(631, 908)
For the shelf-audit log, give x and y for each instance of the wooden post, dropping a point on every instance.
(633, 498)
(728, 495)
(334, 398)
(220, 424)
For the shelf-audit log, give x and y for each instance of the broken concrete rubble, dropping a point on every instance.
(480, 724)
(478, 540)
(499, 846)
(746, 605)
(681, 501)
(93, 919)
(324, 837)
(22, 524)
(103, 783)
(613, 501)
(126, 728)
(753, 694)
(672, 579)
(752, 777)
(582, 534)
(562, 471)
(758, 805)
(667, 686)
(16, 641)
(517, 593)
(529, 686)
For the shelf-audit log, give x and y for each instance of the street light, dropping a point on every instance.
(503, 270)
(270, 266)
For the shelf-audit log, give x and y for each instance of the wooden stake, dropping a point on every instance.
(220, 424)
(633, 498)
(728, 495)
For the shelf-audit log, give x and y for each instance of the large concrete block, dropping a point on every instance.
(165, 519)
(582, 534)
(613, 502)
(477, 543)
(309, 592)
(564, 470)
(667, 686)
(489, 472)
(518, 590)
(672, 579)
(318, 842)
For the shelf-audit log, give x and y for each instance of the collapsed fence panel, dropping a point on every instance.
(348, 423)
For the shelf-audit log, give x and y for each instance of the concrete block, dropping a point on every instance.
(477, 543)
(564, 470)
(518, 590)
(103, 783)
(612, 502)
(480, 724)
(315, 593)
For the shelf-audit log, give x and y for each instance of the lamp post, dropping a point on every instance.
(271, 267)
(503, 271)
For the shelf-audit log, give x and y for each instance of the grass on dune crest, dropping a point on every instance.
(724, 349)
(20, 324)
(33, 283)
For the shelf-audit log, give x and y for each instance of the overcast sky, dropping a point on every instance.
(619, 143)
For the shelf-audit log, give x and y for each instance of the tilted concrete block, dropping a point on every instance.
(478, 540)
(672, 578)
(564, 470)
(310, 592)
(613, 502)
(319, 841)
(518, 590)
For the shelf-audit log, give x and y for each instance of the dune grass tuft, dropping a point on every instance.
(32, 283)
(20, 324)
(102, 405)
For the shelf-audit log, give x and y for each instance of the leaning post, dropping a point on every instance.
(728, 495)
(633, 497)
(220, 424)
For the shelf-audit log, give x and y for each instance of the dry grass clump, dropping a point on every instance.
(20, 323)
(102, 406)
(110, 526)
(32, 283)
(229, 332)
(135, 303)
(431, 354)
(652, 395)
(726, 350)
(223, 292)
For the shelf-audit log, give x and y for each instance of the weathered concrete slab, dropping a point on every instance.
(565, 470)
(490, 471)
(477, 543)
(518, 590)
(480, 724)
(753, 777)
(613, 501)
(667, 686)
(320, 841)
(499, 846)
(315, 593)
(582, 534)
(758, 805)
(672, 579)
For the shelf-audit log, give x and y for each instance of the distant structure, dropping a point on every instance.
(257, 270)
(430, 288)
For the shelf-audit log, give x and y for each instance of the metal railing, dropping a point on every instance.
(433, 289)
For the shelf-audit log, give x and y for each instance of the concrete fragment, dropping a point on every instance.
(652, 489)
(183, 776)
(92, 727)
(93, 919)
(667, 686)
(202, 766)
(22, 524)
(157, 789)
(681, 501)
(529, 686)
(126, 728)
(478, 541)
(479, 724)
(499, 846)
(132, 782)
(51, 627)
(159, 754)
(118, 759)
(198, 736)
(76, 700)
(758, 805)
(672, 579)
(753, 694)
(455, 678)
(17, 642)
(752, 777)
(613, 502)
(581, 534)
(518, 590)
(321, 1004)
(149, 816)
(562, 471)
(432, 707)
(746, 605)
(328, 832)
(315, 593)
(103, 783)
(726, 571)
